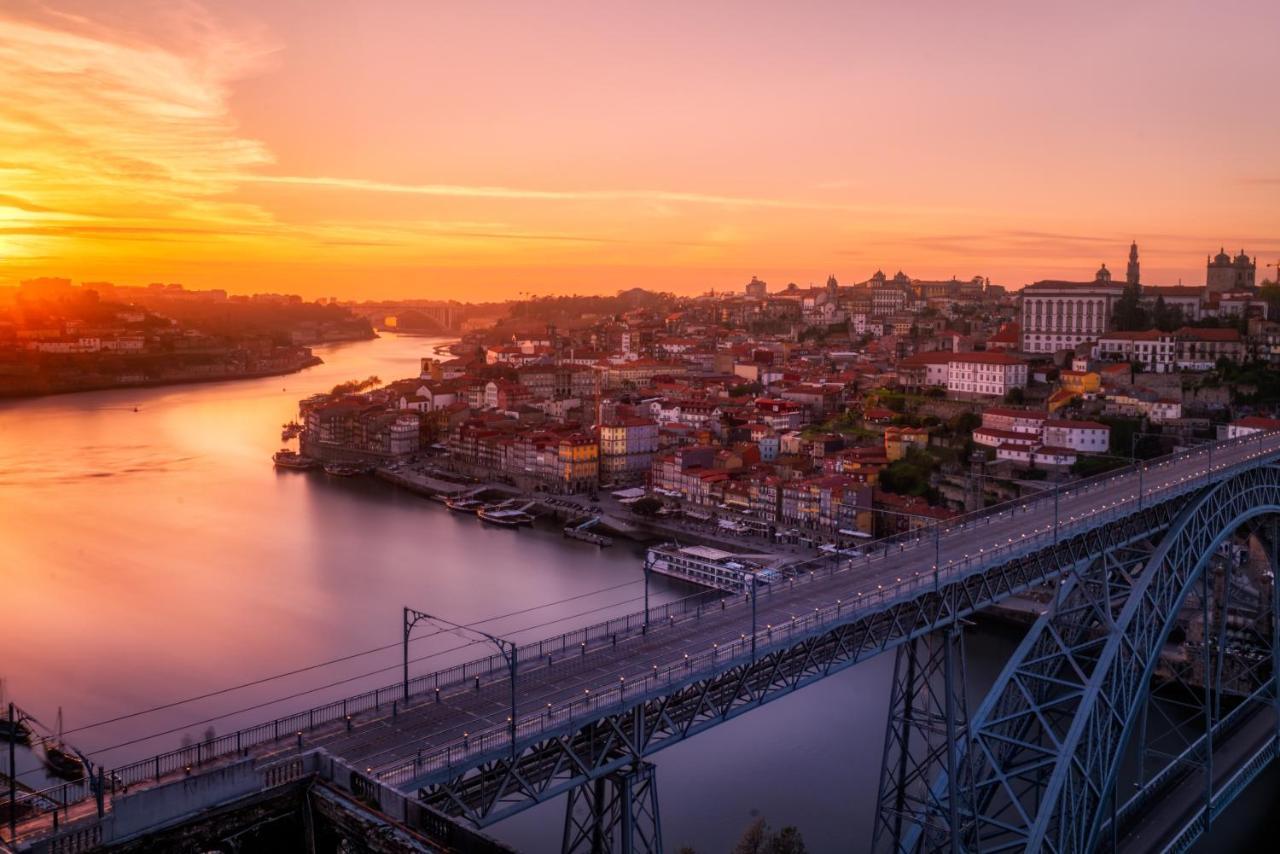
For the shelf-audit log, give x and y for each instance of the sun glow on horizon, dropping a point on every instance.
(475, 153)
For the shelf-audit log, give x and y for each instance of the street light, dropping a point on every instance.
(505, 647)
(1040, 487)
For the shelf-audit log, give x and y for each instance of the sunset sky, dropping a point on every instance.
(482, 151)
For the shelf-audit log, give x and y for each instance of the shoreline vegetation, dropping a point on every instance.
(173, 380)
(61, 338)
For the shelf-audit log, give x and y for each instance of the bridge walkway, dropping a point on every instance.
(427, 725)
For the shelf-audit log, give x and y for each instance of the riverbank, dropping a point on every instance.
(88, 385)
(613, 519)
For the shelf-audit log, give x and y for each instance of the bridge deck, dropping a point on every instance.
(469, 721)
(379, 741)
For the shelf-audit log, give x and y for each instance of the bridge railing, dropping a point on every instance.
(593, 704)
(657, 618)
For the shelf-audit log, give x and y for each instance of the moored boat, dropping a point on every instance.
(339, 470)
(464, 505)
(59, 759)
(504, 517)
(287, 459)
(61, 762)
(18, 732)
(15, 730)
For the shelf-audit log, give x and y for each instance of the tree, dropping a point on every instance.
(354, 386)
(1129, 315)
(1015, 396)
(1160, 314)
(786, 841)
(753, 838)
(647, 506)
(759, 839)
(1270, 293)
(910, 475)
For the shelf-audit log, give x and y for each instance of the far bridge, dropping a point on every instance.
(1066, 753)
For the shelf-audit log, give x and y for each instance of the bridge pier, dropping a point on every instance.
(614, 814)
(927, 720)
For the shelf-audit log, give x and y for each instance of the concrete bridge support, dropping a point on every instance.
(614, 814)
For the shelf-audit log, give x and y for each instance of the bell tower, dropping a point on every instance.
(1131, 272)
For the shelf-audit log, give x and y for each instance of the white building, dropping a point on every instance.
(988, 374)
(1153, 349)
(1088, 436)
(1252, 424)
(1060, 315)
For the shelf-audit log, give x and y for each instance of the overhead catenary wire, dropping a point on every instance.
(341, 659)
(296, 695)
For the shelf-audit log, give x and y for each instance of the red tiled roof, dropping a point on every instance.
(1076, 425)
(1209, 334)
(1257, 421)
(986, 358)
(1006, 412)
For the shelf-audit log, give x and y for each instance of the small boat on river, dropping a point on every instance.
(287, 459)
(16, 730)
(464, 505)
(61, 760)
(339, 470)
(505, 517)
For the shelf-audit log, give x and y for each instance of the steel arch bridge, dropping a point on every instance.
(1075, 719)
(1037, 767)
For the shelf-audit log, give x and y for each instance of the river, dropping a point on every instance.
(150, 552)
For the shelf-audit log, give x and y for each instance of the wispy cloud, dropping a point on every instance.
(112, 132)
(518, 193)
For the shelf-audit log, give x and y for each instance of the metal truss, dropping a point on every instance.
(928, 723)
(1048, 742)
(614, 814)
(499, 784)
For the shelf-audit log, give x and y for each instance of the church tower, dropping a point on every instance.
(1131, 272)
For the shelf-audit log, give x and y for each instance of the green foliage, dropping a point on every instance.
(1262, 380)
(1087, 466)
(1015, 396)
(354, 386)
(846, 423)
(1270, 293)
(1129, 314)
(1122, 432)
(964, 423)
(759, 839)
(1166, 318)
(647, 506)
(910, 475)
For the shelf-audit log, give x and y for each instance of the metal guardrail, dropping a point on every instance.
(1152, 788)
(610, 632)
(596, 704)
(1223, 798)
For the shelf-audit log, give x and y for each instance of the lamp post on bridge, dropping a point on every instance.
(755, 588)
(648, 568)
(937, 539)
(505, 647)
(1040, 486)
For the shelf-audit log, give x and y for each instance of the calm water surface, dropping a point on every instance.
(153, 555)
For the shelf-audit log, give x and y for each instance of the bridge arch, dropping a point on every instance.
(1043, 752)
